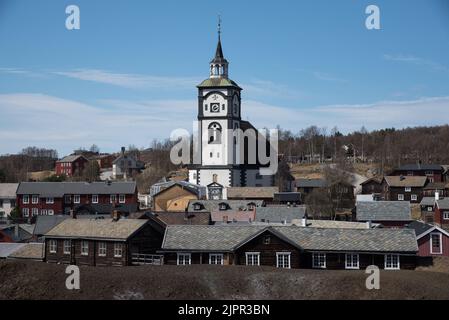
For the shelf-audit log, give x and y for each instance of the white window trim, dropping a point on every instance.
(112, 196)
(33, 197)
(27, 201)
(253, 253)
(75, 197)
(50, 200)
(34, 212)
(441, 242)
(216, 255)
(408, 189)
(116, 255)
(414, 197)
(392, 268)
(84, 253)
(53, 246)
(120, 198)
(95, 196)
(352, 267)
(401, 196)
(185, 255)
(313, 260)
(289, 254)
(445, 215)
(64, 247)
(26, 212)
(100, 249)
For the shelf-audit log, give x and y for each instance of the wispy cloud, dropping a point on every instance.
(48, 121)
(431, 65)
(327, 77)
(126, 80)
(22, 72)
(259, 87)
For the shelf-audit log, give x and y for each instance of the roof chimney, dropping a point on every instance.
(437, 196)
(369, 224)
(304, 221)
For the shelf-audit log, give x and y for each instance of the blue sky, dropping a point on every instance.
(128, 75)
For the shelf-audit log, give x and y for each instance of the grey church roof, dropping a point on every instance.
(383, 211)
(58, 189)
(229, 238)
(279, 213)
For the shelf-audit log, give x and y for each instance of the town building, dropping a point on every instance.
(101, 242)
(174, 196)
(233, 216)
(286, 198)
(223, 163)
(433, 172)
(50, 198)
(373, 186)
(290, 247)
(404, 188)
(427, 206)
(7, 199)
(441, 217)
(265, 194)
(394, 214)
(126, 166)
(72, 165)
(432, 240)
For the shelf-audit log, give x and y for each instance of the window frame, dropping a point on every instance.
(220, 255)
(386, 267)
(351, 266)
(77, 198)
(33, 198)
(84, 248)
(64, 247)
(408, 189)
(314, 265)
(118, 250)
(94, 198)
(53, 246)
(413, 197)
(102, 249)
(26, 212)
(34, 212)
(440, 242)
(445, 215)
(49, 200)
(27, 197)
(120, 198)
(112, 198)
(184, 255)
(401, 196)
(279, 254)
(253, 254)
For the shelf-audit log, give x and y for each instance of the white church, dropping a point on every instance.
(219, 113)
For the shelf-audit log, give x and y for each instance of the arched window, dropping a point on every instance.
(214, 131)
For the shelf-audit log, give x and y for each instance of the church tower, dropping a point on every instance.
(219, 113)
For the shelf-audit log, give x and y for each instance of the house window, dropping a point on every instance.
(400, 197)
(44, 212)
(50, 200)
(319, 260)
(35, 199)
(414, 197)
(392, 262)
(52, 246)
(184, 259)
(446, 215)
(121, 198)
(267, 240)
(223, 206)
(283, 260)
(118, 250)
(252, 258)
(84, 248)
(352, 261)
(26, 199)
(113, 198)
(67, 246)
(95, 198)
(408, 189)
(25, 212)
(196, 207)
(102, 249)
(435, 243)
(429, 173)
(216, 258)
(67, 199)
(430, 209)
(76, 198)
(35, 211)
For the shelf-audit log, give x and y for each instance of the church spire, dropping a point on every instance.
(219, 65)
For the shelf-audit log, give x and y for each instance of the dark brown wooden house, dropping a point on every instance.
(290, 247)
(434, 172)
(404, 188)
(101, 242)
(372, 186)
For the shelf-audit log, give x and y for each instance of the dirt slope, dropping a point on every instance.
(37, 280)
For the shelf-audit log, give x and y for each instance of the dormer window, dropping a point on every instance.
(197, 206)
(223, 206)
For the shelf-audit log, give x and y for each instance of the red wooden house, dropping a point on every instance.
(71, 165)
(441, 217)
(433, 241)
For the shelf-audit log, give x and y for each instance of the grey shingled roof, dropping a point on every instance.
(251, 192)
(406, 181)
(213, 205)
(428, 201)
(419, 227)
(229, 238)
(96, 229)
(279, 213)
(58, 189)
(443, 204)
(8, 190)
(46, 223)
(71, 158)
(383, 211)
(311, 183)
(419, 167)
